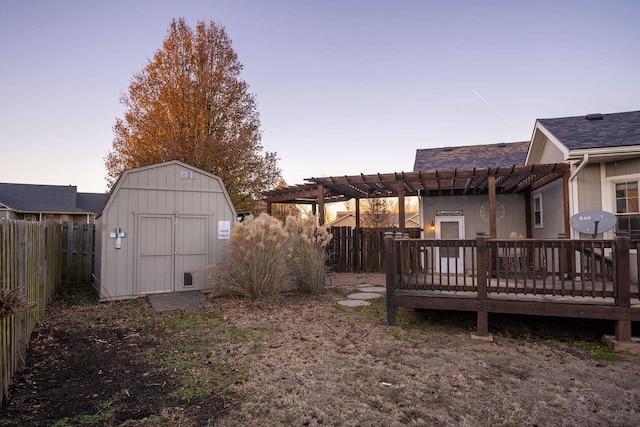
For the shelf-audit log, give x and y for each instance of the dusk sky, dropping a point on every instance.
(343, 87)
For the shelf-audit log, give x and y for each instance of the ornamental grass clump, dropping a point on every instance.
(259, 260)
(309, 254)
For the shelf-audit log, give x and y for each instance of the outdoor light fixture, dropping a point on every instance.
(432, 227)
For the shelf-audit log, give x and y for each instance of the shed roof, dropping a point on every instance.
(49, 198)
(471, 156)
(596, 130)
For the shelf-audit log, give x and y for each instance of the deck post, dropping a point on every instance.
(390, 273)
(623, 284)
(482, 322)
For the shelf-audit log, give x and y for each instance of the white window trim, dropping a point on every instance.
(609, 193)
(533, 206)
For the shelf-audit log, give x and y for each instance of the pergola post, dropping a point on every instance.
(356, 238)
(493, 230)
(401, 213)
(269, 208)
(320, 204)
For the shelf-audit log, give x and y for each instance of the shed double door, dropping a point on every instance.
(168, 247)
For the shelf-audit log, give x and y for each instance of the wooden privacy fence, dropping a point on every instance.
(551, 277)
(78, 252)
(30, 270)
(360, 250)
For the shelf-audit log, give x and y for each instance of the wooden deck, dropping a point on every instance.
(566, 278)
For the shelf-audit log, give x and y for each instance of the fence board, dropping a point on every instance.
(30, 263)
(78, 253)
(360, 250)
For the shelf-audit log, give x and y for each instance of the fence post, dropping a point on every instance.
(482, 321)
(623, 284)
(390, 272)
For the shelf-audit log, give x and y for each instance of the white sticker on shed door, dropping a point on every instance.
(155, 249)
(191, 251)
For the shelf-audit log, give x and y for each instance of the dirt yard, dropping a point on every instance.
(307, 361)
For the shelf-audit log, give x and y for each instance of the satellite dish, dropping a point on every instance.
(593, 222)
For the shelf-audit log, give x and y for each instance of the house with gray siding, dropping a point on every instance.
(604, 153)
(60, 203)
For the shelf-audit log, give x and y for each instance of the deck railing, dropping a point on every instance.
(561, 267)
(582, 272)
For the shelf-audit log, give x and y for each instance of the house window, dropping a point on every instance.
(537, 210)
(628, 209)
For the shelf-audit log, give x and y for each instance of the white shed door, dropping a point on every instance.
(155, 261)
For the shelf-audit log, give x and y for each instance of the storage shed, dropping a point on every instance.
(161, 226)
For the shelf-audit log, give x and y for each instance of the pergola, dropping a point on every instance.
(481, 181)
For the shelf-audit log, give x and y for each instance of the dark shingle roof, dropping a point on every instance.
(47, 198)
(91, 202)
(579, 133)
(471, 156)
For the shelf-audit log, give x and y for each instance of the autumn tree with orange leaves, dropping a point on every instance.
(190, 103)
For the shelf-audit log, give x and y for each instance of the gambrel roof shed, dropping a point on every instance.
(160, 229)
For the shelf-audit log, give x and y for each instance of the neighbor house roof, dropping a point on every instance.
(471, 156)
(48, 198)
(91, 202)
(596, 130)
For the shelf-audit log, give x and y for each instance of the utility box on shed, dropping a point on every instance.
(161, 226)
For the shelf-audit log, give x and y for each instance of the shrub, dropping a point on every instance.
(308, 243)
(258, 260)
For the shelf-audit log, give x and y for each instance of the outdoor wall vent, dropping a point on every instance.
(594, 116)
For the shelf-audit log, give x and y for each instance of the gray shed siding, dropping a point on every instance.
(170, 213)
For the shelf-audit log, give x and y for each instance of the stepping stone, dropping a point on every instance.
(365, 295)
(379, 289)
(354, 303)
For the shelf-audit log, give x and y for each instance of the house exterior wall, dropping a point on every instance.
(7, 214)
(550, 153)
(589, 189)
(170, 214)
(622, 167)
(552, 211)
(513, 220)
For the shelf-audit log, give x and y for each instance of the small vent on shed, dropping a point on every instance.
(188, 175)
(594, 116)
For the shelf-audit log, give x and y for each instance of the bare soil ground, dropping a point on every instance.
(306, 361)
